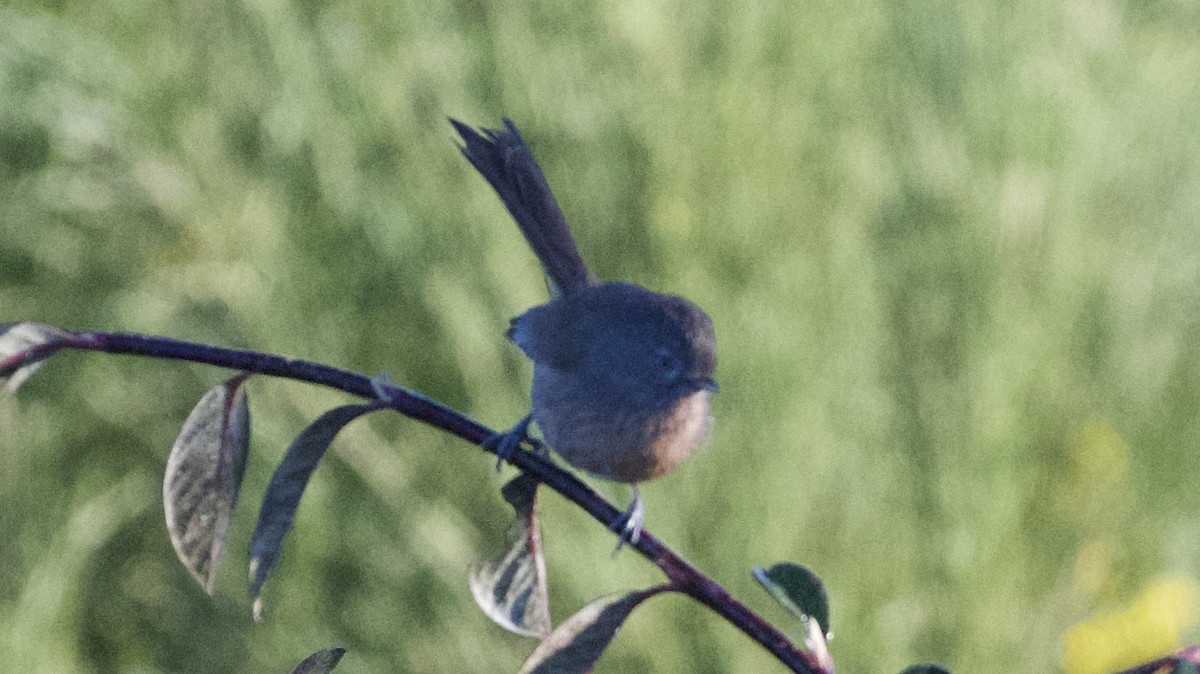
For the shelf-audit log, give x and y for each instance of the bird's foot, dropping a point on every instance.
(629, 526)
(507, 444)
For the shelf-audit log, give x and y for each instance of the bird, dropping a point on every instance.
(622, 375)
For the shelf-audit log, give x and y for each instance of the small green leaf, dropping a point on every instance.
(23, 347)
(579, 642)
(321, 662)
(798, 589)
(203, 477)
(287, 485)
(925, 669)
(511, 589)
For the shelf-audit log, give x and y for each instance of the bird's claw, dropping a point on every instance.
(629, 526)
(506, 444)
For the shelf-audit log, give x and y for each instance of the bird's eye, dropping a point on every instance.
(669, 365)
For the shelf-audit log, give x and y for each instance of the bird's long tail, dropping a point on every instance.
(502, 157)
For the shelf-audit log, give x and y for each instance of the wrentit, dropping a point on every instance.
(621, 374)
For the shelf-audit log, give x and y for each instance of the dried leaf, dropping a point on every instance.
(19, 357)
(579, 642)
(279, 504)
(203, 477)
(511, 589)
(321, 662)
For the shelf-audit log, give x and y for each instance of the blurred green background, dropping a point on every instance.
(952, 252)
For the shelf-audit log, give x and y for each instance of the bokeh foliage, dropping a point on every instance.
(951, 251)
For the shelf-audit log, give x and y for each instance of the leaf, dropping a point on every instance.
(321, 662)
(579, 642)
(20, 356)
(511, 589)
(287, 486)
(203, 477)
(802, 594)
(798, 589)
(925, 669)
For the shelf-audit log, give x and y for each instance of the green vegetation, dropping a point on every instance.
(952, 252)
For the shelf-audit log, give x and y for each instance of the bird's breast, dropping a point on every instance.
(678, 432)
(613, 437)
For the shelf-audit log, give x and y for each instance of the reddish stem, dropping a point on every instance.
(684, 577)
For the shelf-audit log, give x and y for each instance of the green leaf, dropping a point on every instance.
(511, 589)
(802, 594)
(798, 589)
(321, 662)
(203, 477)
(23, 347)
(287, 485)
(579, 642)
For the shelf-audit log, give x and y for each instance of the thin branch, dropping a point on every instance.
(685, 577)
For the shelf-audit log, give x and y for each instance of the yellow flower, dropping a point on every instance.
(1152, 625)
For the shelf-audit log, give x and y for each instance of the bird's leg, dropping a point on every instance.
(507, 443)
(629, 527)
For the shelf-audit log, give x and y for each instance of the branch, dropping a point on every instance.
(685, 577)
